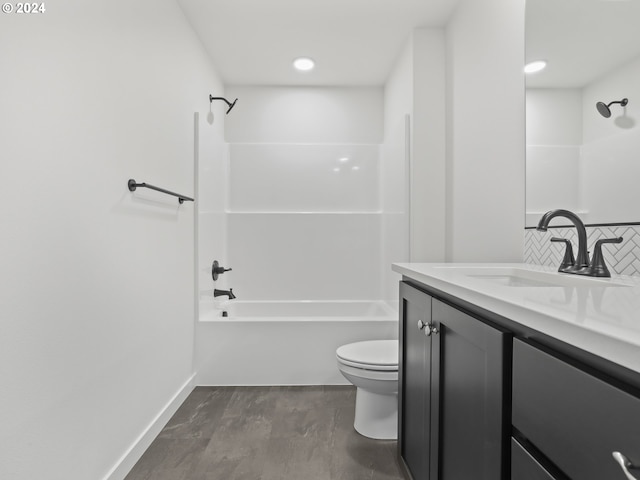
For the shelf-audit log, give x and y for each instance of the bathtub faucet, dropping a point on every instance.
(222, 293)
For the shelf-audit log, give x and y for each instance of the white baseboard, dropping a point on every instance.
(124, 465)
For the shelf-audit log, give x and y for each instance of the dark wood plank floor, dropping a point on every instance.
(267, 433)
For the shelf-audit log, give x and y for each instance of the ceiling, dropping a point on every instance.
(356, 42)
(353, 42)
(581, 40)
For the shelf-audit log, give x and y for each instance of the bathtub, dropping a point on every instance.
(283, 343)
(297, 311)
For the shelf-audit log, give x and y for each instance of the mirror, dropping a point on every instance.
(576, 158)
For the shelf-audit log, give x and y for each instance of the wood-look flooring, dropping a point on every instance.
(267, 433)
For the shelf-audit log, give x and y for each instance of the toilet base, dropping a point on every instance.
(376, 415)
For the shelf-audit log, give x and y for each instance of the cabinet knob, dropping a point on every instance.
(427, 327)
(625, 464)
(430, 329)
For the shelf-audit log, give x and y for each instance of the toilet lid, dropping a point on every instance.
(370, 355)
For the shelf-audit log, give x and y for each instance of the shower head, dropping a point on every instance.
(603, 108)
(231, 105)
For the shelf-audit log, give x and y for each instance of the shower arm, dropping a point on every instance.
(231, 105)
(622, 102)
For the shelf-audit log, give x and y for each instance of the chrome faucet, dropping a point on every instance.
(582, 259)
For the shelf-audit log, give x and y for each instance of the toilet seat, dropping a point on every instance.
(376, 355)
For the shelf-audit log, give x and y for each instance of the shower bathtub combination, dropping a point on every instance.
(310, 253)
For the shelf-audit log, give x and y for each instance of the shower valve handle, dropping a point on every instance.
(216, 270)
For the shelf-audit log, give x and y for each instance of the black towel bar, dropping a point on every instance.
(133, 185)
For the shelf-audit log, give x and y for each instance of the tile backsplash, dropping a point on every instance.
(623, 258)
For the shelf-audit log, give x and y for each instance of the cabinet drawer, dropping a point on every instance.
(575, 419)
(524, 466)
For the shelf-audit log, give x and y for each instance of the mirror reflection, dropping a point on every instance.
(583, 109)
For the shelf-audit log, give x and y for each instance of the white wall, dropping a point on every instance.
(554, 116)
(428, 138)
(554, 138)
(485, 131)
(97, 282)
(415, 88)
(394, 174)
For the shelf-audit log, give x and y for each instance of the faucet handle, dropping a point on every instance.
(216, 270)
(598, 267)
(569, 260)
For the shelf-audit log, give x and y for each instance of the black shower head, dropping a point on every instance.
(231, 105)
(604, 109)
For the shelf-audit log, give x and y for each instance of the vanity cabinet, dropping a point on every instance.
(493, 393)
(572, 416)
(452, 409)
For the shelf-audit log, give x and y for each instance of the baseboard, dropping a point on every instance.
(124, 465)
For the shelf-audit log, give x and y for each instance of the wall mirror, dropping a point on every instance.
(577, 158)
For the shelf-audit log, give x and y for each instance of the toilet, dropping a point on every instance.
(372, 367)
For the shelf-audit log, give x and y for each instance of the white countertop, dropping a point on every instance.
(603, 318)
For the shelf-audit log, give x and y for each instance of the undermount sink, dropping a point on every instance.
(522, 277)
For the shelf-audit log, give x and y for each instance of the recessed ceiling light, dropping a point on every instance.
(304, 64)
(536, 66)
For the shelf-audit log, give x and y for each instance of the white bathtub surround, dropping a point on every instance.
(601, 316)
(310, 177)
(284, 343)
(302, 223)
(309, 196)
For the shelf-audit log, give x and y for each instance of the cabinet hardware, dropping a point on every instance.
(430, 329)
(625, 464)
(421, 324)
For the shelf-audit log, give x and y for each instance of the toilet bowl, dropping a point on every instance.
(372, 367)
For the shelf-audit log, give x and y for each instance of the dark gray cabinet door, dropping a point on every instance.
(415, 379)
(452, 415)
(468, 397)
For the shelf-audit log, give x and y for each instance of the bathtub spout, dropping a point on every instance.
(222, 293)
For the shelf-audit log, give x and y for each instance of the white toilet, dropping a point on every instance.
(372, 367)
